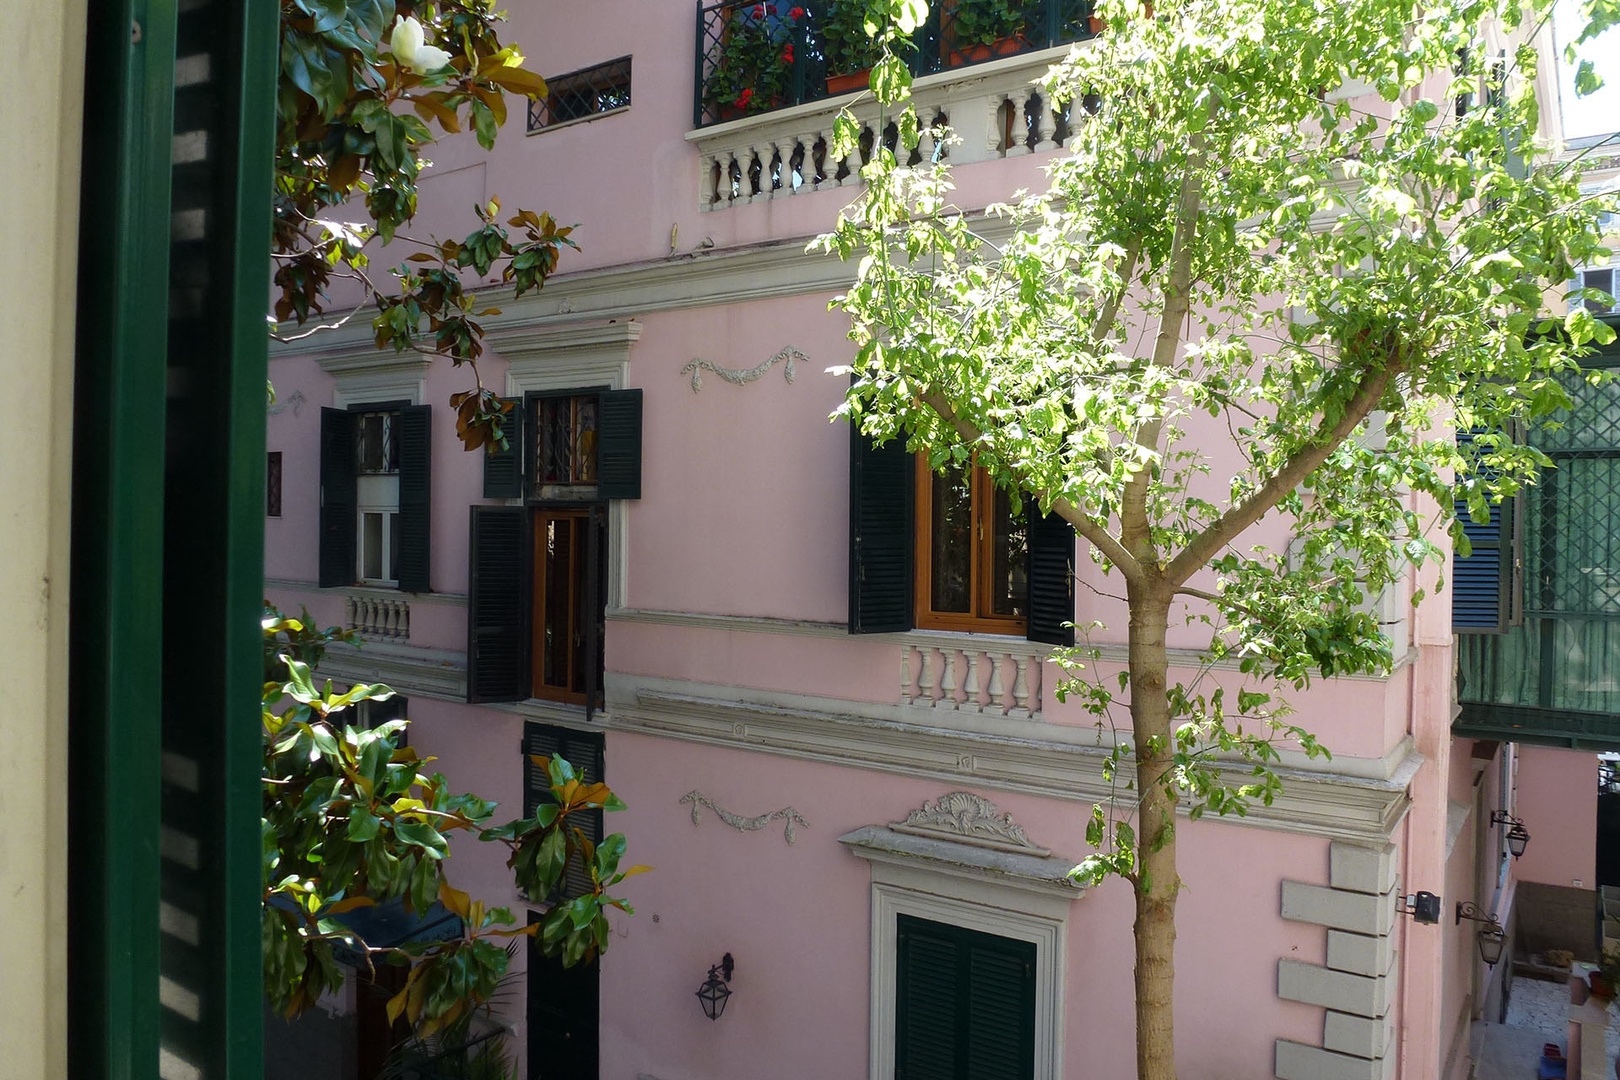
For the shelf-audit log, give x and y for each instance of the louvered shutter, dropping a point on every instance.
(582, 750)
(498, 605)
(503, 469)
(618, 444)
(1482, 582)
(1051, 579)
(414, 557)
(339, 498)
(964, 1004)
(593, 613)
(881, 480)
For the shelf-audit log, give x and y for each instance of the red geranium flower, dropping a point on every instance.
(796, 13)
(759, 11)
(787, 54)
(744, 97)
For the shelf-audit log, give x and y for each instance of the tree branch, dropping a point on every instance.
(1224, 529)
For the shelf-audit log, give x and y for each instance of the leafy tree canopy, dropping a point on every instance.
(1292, 247)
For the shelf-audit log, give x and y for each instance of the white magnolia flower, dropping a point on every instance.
(407, 47)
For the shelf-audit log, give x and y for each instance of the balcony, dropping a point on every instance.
(1554, 678)
(769, 79)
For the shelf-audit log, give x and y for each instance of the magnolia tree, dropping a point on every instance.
(1279, 226)
(352, 818)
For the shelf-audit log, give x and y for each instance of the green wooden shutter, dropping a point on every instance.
(618, 445)
(1051, 578)
(498, 604)
(339, 498)
(964, 1004)
(881, 491)
(593, 610)
(414, 558)
(584, 751)
(1482, 582)
(503, 469)
(167, 546)
(564, 1014)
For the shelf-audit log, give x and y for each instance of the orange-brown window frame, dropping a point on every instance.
(578, 620)
(981, 620)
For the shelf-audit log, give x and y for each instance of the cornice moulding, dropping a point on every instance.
(1047, 874)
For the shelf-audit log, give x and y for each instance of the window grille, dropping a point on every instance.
(272, 484)
(582, 94)
(375, 448)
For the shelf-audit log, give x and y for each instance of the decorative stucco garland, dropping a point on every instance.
(744, 376)
(744, 824)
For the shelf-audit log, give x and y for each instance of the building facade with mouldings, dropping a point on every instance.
(670, 578)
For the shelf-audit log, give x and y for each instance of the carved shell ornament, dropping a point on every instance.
(968, 818)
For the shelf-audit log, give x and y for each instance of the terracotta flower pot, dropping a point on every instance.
(843, 84)
(972, 54)
(1097, 26)
(1600, 986)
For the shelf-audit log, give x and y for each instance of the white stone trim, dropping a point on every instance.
(409, 669)
(375, 375)
(292, 585)
(1009, 913)
(1046, 760)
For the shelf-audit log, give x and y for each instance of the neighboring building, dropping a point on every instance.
(816, 673)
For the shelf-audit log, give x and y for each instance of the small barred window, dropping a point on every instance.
(582, 94)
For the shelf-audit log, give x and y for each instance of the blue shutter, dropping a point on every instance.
(1482, 581)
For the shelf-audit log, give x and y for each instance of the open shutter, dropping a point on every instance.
(582, 750)
(925, 1027)
(415, 497)
(498, 605)
(1482, 582)
(618, 444)
(1051, 578)
(881, 491)
(503, 469)
(339, 498)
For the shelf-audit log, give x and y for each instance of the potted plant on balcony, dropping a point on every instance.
(974, 30)
(849, 51)
(753, 66)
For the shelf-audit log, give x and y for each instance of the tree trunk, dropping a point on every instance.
(1156, 883)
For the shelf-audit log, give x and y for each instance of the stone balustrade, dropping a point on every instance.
(972, 673)
(993, 110)
(379, 614)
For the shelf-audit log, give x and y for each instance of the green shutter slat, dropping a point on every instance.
(503, 469)
(927, 1025)
(414, 558)
(618, 445)
(1481, 583)
(1051, 579)
(592, 611)
(881, 481)
(1000, 1012)
(584, 751)
(497, 604)
(339, 498)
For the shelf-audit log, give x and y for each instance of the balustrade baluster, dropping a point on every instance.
(709, 183)
(947, 680)
(404, 621)
(995, 130)
(970, 685)
(906, 697)
(1046, 125)
(1020, 690)
(925, 673)
(1018, 138)
(996, 690)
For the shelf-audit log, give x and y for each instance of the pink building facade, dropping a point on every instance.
(835, 810)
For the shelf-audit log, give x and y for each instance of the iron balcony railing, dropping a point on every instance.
(1555, 677)
(756, 57)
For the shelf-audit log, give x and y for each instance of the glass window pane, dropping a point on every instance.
(371, 544)
(558, 575)
(1009, 588)
(951, 539)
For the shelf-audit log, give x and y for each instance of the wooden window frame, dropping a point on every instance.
(980, 620)
(582, 519)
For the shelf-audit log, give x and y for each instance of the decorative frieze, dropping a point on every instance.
(743, 376)
(794, 819)
(969, 819)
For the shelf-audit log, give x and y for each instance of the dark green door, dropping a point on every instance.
(964, 1004)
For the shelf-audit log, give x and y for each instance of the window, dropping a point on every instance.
(584, 751)
(272, 484)
(972, 553)
(1603, 279)
(946, 553)
(537, 592)
(964, 1003)
(582, 94)
(375, 510)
